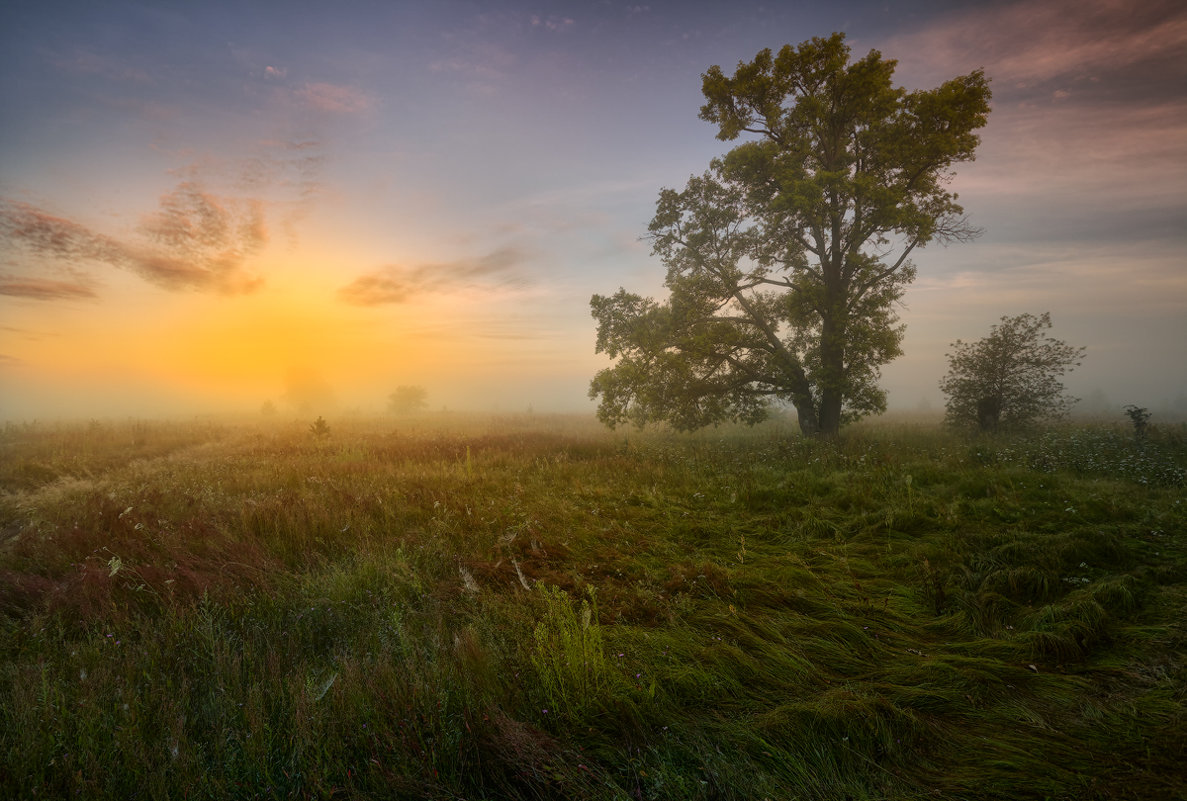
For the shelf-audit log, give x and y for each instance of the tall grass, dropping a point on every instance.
(537, 608)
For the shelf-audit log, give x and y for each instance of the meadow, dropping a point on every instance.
(535, 607)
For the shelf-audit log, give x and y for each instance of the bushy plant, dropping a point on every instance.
(1140, 418)
(320, 429)
(1009, 379)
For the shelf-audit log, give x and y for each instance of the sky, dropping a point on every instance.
(207, 206)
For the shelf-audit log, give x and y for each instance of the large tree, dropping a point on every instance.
(787, 258)
(1011, 378)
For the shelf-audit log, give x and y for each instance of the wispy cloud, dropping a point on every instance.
(43, 289)
(1084, 109)
(194, 241)
(25, 333)
(394, 284)
(1025, 44)
(1088, 146)
(482, 64)
(552, 22)
(334, 98)
(88, 62)
(192, 221)
(290, 167)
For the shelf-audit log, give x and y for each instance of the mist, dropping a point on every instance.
(176, 241)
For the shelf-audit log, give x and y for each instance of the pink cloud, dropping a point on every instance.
(194, 241)
(44, 289)
(394, 284)
(333, 98)
(1029, 42)
(1088, 98)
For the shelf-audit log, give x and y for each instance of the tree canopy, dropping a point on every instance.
(1009, 379)
(408, 399)
(786, 258)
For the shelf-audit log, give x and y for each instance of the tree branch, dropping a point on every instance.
(861, 290)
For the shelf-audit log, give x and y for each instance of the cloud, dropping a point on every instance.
(1090, 147)
(1088, 105)
(552, 22)
(195, 241)
(395, 284)
(10, 361)
(285, 165)
(275, 72)
(1025, 43)
(26, 334)
(333, 99)
(193, 222)
(87, 62)
(482, 64)
(42, 289)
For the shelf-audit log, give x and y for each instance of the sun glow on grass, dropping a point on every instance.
(537, 607)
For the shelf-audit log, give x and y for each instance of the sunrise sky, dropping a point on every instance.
(200, 201)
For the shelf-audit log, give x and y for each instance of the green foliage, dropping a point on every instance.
(893, 614)
(1009, 379)
(786, 259)
(569, 657)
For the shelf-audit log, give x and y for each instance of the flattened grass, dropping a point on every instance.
(538, 608)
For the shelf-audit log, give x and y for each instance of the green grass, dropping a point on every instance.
(539, 608)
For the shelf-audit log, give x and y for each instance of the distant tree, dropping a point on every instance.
(408, 400)
(1009, 379)
(320, 429)
(1139, 416)
(307, 391)
(787, 258)
(268, 409)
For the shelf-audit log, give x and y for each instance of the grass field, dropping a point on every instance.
(539, 608)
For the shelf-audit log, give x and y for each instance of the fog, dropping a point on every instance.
(189, 219)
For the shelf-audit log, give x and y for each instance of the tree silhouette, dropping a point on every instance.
(408, 400)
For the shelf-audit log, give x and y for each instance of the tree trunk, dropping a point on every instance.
(806, 413)
(989, 412)
(830, 413)
(832, 372)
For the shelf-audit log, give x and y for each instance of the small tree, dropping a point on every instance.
(1140, 417)
(408, 400)
(1011, 378)
(320, 429)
